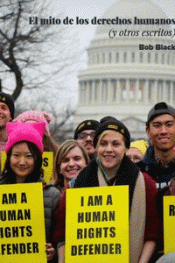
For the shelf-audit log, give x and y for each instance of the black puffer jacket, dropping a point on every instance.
(160, 173)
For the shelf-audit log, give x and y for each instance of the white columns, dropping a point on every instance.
(146, 92)
(89, 92)
(93, 92)
(127, 90)
(96, 92)
(118, 89)
(171, 92)
(110, 91)
(158, 90)
(164, 97)
(154, 92)
(80, 91)
(106, 88)
(85, 93)
(100, 91)
(136, 90)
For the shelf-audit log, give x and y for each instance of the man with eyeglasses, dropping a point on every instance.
(85, 133)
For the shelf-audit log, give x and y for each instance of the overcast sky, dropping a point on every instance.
(89, 9)
(79, 36)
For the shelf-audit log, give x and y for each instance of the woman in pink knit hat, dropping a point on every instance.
(40, 116)
(35, 116)
(24, 151)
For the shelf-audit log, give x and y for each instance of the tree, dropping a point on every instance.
(26, 55)
(61, 127)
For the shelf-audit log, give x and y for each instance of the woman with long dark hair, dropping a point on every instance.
(24, 150)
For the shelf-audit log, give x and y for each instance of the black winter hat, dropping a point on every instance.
(8, 100)
(115, 125)
(159, 109)
(108, 118)
(86, 125)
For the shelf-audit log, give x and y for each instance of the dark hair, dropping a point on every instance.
(160, 109)
(8, 174)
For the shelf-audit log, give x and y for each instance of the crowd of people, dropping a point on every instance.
(99, 154)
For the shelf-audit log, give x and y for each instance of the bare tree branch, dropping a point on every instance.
(25, 47)
(57, 128)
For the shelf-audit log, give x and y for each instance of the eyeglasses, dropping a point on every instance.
(84, 135)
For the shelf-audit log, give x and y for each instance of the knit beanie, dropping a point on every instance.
(86, 125)
(108, 118)
(159, 109)
(36, 116)
(141, 145)
(8, 100)
(113, 125)
(31, 132)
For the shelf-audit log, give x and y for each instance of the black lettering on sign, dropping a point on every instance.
(45, 162)
(94, 249)
(23, 198)
(82, 200)
(95, 200)
(13, 215)
(10, 198)
(29, 231)
(97, 216)
(97, 232)
(171, 210)
(109, 200)
(73, 250)
(19, 248)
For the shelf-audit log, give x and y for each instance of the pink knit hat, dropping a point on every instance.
(36, 116)
(31, 132)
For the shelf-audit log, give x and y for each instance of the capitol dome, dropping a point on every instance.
(130, 70)
(131, 9)
(127, 8)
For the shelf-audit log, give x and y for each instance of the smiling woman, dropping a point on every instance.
(111, 150)
(70, 160)
(22, 161)
(24, 150)
(113, 167)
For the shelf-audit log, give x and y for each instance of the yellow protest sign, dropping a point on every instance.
(22, 226)
(169, 223)
(3, 159)
(47, 164)
(97, 225)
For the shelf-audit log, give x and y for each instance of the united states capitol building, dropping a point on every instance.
(131, 65)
